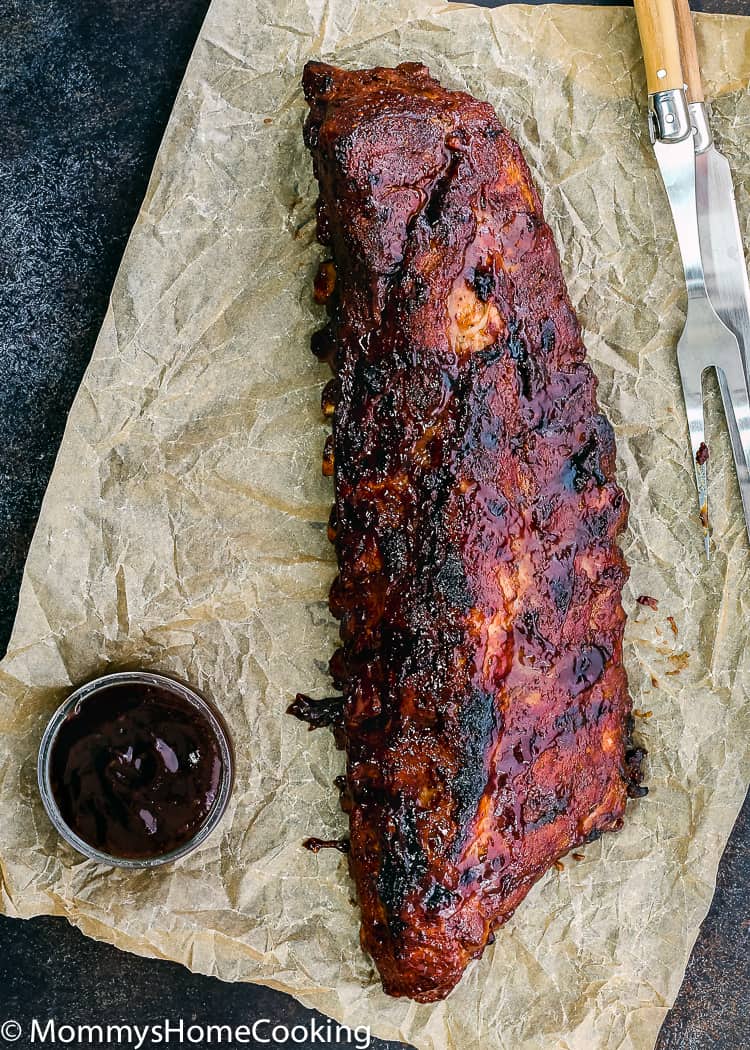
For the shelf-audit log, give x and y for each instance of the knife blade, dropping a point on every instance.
(720, 235)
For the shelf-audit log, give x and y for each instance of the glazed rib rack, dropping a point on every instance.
(485, 710)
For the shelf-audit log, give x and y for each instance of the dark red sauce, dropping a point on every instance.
(135, 770)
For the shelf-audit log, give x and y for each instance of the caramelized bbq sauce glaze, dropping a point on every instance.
(135, 770)
(485, 714)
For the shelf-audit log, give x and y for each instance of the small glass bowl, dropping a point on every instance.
(169, 685)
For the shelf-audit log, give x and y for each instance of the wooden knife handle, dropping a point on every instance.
(657, 26)
(691, 69)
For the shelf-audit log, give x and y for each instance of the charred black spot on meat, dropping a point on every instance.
(433, 211)
(562, 592)
(478, 722)
(498, 507)
(394, 548)
(439, 897)
(526, 368)
(634, 757)
(404, 861)
(548, 337)
(416, 291)
(543, 808)
(369, 379)
(483, 283)
(451, 581)
(585, 466)
(489, 355)
(561, 576)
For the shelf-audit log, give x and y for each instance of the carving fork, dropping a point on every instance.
(706, 342)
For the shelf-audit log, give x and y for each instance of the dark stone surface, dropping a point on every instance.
(86, 87)
(712, 1008)
(50, 970)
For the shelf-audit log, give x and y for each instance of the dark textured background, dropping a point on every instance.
(86, 87)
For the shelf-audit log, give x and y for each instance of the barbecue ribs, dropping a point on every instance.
(485, 707)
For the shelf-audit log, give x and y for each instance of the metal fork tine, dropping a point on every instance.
(736, 400)
(692, 389)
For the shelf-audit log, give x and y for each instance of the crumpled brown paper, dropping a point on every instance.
(184, 529)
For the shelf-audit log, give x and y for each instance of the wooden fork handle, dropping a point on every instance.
(657, 26)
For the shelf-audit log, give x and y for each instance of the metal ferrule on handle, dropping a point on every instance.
(702, 135)
(669, 118)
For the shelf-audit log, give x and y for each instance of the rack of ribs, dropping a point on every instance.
(485, 709)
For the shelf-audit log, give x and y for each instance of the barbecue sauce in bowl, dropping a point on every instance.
(136, 766)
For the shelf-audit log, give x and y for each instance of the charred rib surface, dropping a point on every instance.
(486, 712)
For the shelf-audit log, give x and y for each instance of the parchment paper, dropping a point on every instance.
(184, 529)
